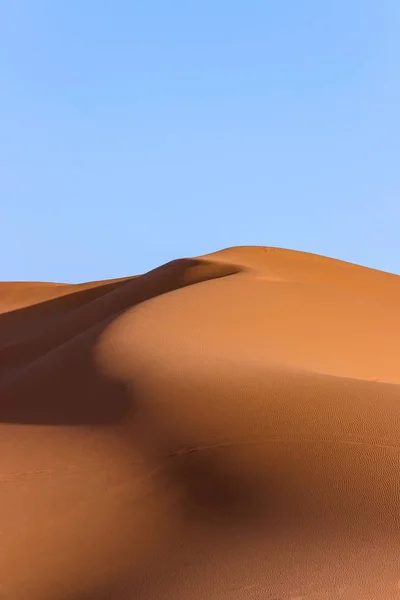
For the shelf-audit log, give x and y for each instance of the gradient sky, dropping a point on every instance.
(132, 133)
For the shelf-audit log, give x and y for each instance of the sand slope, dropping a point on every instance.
(224, 427)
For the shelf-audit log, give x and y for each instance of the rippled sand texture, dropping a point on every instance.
(221, 428)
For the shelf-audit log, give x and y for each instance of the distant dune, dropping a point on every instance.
(222, 427)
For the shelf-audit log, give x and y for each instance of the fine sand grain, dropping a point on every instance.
(221, 428)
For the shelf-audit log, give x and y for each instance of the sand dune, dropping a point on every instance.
(223, 427)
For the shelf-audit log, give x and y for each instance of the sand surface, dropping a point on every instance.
(221, 428)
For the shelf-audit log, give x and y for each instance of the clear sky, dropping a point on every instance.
(135, 132)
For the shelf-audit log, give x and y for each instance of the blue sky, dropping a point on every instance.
(132, 133)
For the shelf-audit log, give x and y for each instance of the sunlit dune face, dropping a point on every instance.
(248, 317)
(281, 375)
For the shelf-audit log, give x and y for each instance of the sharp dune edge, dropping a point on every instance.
(222, 427)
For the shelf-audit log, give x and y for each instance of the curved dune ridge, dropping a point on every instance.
(222, 427)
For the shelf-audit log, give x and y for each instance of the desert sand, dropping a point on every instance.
(222, 427)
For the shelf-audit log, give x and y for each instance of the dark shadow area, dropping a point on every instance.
(50, 377)
(71, 298)
(217, 492)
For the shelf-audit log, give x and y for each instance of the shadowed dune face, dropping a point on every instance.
(220, 427)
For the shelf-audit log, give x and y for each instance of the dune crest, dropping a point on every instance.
(224, 426)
